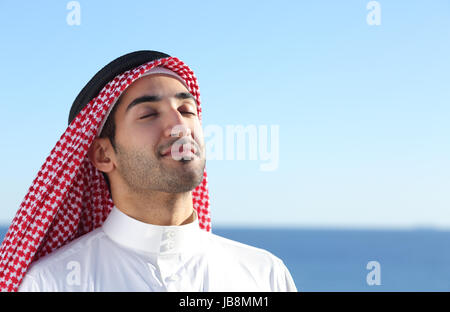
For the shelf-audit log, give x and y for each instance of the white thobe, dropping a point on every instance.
(125, 254)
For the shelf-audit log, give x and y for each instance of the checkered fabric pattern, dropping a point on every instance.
(70, 197)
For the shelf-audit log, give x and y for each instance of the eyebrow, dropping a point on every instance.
(156, 98)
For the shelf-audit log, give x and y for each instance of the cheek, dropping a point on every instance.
(147, 135)
(139, 134)
(198, 133)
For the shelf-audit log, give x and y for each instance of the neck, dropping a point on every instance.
(158, 208)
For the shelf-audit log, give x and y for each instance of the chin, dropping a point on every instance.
(181, 186)
(186, 181)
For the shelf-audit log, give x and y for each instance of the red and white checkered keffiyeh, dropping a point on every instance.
(70, 197)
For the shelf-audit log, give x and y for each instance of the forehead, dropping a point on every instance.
(156, 84)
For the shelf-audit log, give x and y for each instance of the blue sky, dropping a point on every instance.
(362, 110)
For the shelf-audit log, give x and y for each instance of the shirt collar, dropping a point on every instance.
(160, 239)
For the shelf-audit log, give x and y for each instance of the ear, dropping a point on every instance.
(101, 154)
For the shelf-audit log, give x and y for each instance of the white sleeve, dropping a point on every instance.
(29, 284)
(283, 279)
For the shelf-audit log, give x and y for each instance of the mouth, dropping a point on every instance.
(183, 153)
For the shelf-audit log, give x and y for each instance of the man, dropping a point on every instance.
(126, 208)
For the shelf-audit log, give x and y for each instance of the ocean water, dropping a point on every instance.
(336, 260)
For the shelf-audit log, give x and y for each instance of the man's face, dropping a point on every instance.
(151, 111)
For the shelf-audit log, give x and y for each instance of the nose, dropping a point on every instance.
(175, 124)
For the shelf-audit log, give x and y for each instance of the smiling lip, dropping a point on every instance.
(169, 151)
(189, 154)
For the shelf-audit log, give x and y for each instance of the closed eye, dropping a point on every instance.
(154, 114)
(149, 115)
